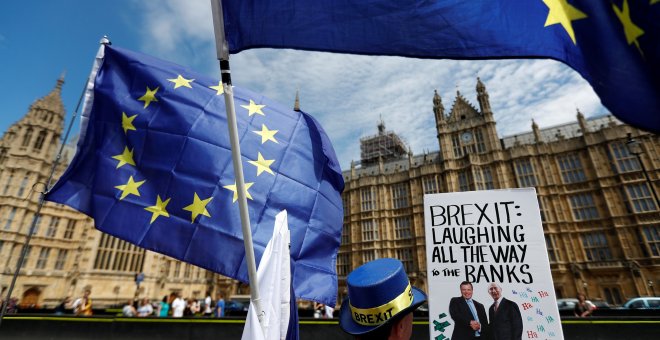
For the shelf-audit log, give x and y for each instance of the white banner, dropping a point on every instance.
(493, 240)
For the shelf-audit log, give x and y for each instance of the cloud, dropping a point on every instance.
(348, 93)
(180, 31)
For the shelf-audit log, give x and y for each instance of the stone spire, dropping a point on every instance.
(52, 102)
(38, 132)
(582, 122)
(480, 86)
(482, 97)
(438, 108)
(296, 104)
(537, 132)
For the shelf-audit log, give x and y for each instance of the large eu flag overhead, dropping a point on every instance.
(614, 45)
(153, 167)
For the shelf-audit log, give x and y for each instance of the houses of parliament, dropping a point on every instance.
(596, 181)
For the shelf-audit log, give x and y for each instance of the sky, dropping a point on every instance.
(43, 39)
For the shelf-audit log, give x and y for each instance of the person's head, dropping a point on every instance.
(380, 301)
(399, 328)
(86, 293)
(581, 297)
(145, 301)
(466, 290)
(495, 290)
(165, 299)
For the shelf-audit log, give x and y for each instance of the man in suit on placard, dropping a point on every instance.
(504, 315)
(469, 316)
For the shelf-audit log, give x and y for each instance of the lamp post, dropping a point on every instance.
(635, 148)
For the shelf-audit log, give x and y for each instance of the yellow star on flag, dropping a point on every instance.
(149, 96)
(218, 89)
(631, 30)
(266, 135)
(127, 122)
(235, 190)
(561, 12)
(158, 209)
(126, 157)
(130, 188)
(198, 207)
(181, 81)
(262, 164)
(254, 108)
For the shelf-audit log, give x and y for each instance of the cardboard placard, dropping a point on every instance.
(494, 240)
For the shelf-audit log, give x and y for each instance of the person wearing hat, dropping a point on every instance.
(380, 301)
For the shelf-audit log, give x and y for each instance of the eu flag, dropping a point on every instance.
(614, 45)
(153, 167)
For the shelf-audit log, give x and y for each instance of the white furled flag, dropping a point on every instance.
(274, 280)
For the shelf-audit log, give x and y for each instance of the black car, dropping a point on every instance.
(236, 308)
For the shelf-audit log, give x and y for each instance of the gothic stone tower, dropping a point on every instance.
(66, 253)
(467, 137)
(27, 153)
(466, 129)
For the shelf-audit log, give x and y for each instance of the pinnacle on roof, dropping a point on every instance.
(296, 104)
(480, 85)
(53, 100)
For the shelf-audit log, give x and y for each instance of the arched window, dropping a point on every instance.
(40, 140)
(10, 180)
(27, 137)
(21, 189)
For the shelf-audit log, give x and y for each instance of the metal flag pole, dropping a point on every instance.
(222, 51)
(42, 196)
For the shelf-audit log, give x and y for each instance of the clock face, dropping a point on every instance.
(466, 137)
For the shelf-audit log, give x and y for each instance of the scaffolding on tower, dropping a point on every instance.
(386, 145)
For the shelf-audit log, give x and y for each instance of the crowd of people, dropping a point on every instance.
(174, 305)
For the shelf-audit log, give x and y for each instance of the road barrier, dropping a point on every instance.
(28, 327)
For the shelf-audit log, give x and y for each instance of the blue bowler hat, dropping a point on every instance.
(378, 291)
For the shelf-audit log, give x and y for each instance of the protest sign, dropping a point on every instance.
(493, 240)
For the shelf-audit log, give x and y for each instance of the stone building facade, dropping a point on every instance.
(600, 217)
(601, 221)
(66, 253)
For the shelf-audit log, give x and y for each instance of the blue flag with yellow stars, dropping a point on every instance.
(613, 44)
(153, 167)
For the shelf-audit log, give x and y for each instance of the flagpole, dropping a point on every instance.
(222, 51)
